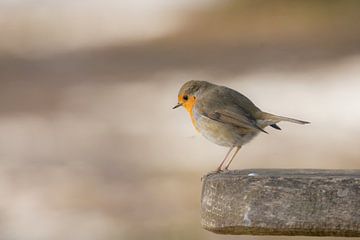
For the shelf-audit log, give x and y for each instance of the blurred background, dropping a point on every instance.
(90, 147)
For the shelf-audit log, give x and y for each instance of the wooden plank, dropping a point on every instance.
(282, 202)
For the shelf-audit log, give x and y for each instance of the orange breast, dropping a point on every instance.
(189, 105)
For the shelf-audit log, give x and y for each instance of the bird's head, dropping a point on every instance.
(189, 92)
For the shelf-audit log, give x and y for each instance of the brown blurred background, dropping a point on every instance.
(89, 145)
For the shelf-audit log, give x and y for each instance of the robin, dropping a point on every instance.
(225, 116)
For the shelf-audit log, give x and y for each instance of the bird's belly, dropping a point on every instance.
(222, 134)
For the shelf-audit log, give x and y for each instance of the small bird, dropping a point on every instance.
(225, 116)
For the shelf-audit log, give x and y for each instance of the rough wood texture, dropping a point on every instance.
(282, 202)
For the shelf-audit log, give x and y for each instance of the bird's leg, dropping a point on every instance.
(236, 151)
(222, 163)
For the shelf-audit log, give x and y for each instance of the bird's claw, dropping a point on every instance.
(218, 170)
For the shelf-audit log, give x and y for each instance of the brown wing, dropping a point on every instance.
(228, 106)
(234, 117)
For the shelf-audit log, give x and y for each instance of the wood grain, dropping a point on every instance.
(282, 202)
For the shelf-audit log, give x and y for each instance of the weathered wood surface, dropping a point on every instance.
(282, 202)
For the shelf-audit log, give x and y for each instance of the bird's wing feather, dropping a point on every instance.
(233, 118)
(232, 113)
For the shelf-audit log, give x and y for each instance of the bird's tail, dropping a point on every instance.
(271, 119)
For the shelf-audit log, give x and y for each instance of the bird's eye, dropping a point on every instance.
(185, 97)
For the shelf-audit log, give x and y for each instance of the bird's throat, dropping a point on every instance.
(189, 106)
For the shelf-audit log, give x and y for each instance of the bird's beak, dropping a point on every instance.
(177, 105)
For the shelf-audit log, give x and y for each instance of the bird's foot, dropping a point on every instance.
(218, 170)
